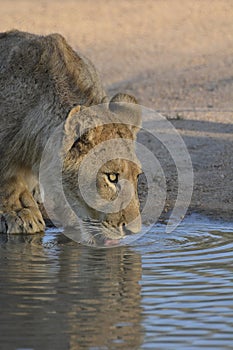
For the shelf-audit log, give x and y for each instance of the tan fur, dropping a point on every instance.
(43, 83)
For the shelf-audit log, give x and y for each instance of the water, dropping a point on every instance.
(165, 291)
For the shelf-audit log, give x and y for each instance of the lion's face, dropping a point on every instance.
(119, 178)
(100, 175)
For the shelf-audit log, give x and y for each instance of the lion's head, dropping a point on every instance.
(100, 170)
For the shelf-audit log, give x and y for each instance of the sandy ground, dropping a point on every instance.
(175, 56)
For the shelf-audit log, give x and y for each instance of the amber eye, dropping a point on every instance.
(113, 177)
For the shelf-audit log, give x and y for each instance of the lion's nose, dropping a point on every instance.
(132, 227)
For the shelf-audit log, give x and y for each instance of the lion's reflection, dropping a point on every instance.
(72, 295)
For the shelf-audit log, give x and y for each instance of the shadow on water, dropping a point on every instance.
(161, 292)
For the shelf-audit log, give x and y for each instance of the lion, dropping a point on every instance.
(44, 83)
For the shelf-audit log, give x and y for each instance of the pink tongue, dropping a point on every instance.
(110, 242)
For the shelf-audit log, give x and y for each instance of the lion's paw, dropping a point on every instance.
(26, 220)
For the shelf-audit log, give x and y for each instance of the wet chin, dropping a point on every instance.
(109, 237)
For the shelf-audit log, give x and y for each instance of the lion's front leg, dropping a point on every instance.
(19, 212)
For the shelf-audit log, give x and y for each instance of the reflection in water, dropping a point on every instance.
(68, 296)
(164, 292)
(106, 297)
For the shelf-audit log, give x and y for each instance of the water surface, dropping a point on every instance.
(164, 291)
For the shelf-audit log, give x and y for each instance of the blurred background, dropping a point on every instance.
(173, 55)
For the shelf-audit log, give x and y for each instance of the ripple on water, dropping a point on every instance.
(163, 291)
(187, 288)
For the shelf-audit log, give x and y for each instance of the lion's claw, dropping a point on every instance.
(26, 220)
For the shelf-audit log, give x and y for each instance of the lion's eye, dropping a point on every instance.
(113, 177)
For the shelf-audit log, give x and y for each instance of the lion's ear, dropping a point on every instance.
(128, 111)
(71, 123)
(80, 121)
(72, 128)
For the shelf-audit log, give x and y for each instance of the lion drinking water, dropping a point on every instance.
(43, 84)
